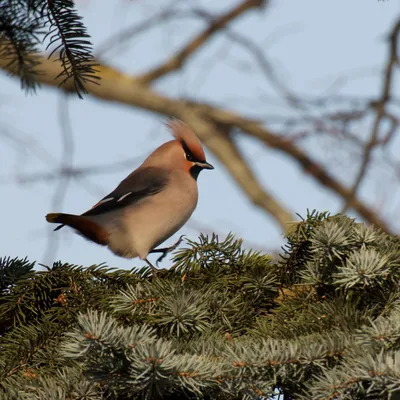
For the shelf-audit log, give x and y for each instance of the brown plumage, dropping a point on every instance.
(150, 204)
(86, 228)
(185, 136)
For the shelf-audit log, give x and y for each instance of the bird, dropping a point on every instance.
(150, 204)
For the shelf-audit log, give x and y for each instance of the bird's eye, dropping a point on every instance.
(189, 157)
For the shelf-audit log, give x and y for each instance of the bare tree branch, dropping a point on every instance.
(61, 189)
(256, 51)
(218, 139)
(72, 172)
(212, 124)
(177, 61)
(114, 85)
(119, 38)
(317, 171)
(381, 114)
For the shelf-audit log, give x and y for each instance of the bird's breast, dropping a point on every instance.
(154, 220)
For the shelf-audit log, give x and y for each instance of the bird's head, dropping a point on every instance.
(185, 152)
(194, 159)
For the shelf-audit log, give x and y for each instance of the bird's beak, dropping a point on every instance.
(204, 165)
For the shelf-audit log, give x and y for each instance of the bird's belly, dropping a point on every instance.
(152, 222)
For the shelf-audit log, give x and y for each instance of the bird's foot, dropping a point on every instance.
(154, 270)
(166, 250)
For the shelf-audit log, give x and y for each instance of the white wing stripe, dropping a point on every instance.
(125, 195)
(105, 200)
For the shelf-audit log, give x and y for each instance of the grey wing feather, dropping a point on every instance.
(140, 184)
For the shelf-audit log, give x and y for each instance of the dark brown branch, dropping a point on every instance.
(312, 167)
(61, 189)
(119, 38)
(177, 61)
(265, 66)
(207, 121)
(380, 115)
(72, 172)
(219, 140)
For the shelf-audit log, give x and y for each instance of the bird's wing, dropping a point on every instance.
(141, 183)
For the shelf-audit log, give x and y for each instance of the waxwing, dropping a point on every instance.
(150, 204)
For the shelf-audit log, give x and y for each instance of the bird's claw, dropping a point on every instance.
(167, 250)
(154, 270)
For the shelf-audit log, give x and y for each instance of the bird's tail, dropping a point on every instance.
(87, 228)
(54, 218)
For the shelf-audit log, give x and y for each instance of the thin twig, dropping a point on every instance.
(265, 66)
(177, 61)
(312, 167)
(120, 37)
(379, 107)
(60, 192)
(123, 88)
(73, 172)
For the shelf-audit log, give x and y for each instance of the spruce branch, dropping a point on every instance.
(23, 25)
(20, 31)
(13, 270)
(69, 37)
(231, 326)
(363, 268)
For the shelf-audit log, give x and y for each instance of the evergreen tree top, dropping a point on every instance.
(323, 322)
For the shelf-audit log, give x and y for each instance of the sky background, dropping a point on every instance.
(312, 45)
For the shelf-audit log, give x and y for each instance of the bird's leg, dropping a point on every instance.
(152, 267)
(166, 250)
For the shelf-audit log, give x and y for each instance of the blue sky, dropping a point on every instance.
(311, 44)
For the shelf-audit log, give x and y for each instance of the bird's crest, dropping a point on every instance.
(187, 138)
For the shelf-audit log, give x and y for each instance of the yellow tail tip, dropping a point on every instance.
(52, 217)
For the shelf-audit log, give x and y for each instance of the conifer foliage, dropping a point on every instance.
(221, 323)
(26, 24)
